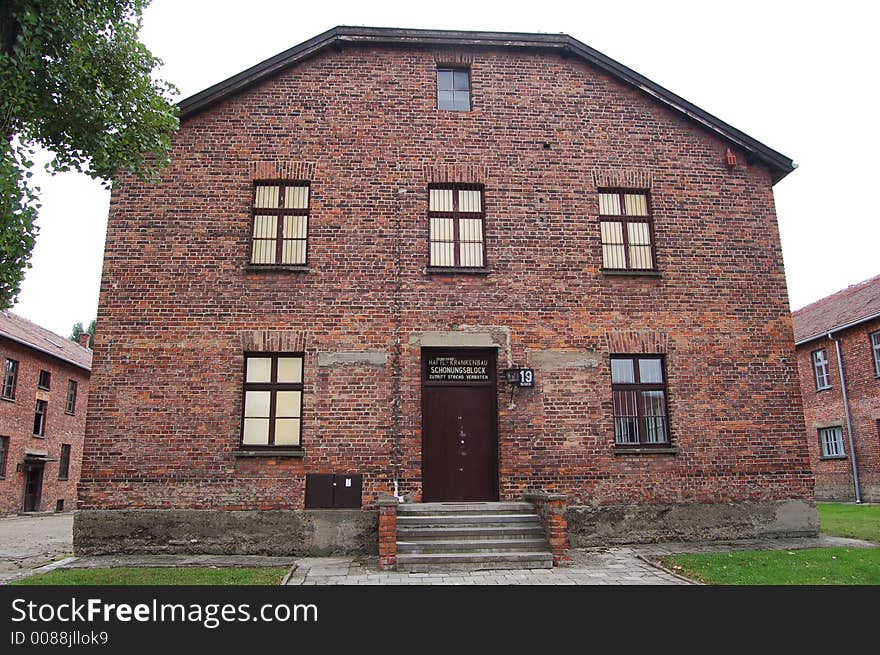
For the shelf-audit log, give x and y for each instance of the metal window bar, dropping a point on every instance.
(639, 401)
(626, 230)
(832, 442)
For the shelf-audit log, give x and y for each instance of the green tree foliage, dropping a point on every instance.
(78, 330)
(74, 79)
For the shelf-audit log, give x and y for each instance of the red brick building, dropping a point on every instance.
(43, 397)
(838, 351)
(356, 243)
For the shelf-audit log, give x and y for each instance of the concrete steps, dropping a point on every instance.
(470, 536)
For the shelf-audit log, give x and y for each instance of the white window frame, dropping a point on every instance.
(832, 448)
(820, 369)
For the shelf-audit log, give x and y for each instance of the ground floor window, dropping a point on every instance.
(831, 440)
(273, 385)
(638, 388)
(64, 462)
(4, 448)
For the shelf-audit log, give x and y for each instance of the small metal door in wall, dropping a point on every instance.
(333, 490)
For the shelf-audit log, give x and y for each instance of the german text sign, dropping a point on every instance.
(457, 369)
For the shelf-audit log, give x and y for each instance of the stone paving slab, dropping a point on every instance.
(606, 567)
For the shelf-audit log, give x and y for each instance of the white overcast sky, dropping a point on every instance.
(798, 76)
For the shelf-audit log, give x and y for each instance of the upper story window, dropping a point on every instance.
(45, 380)
(281, 223)
(10, 376)
(625, 226)
(40, 418)
(820, 368)
(456, 215)
(638, 389)
(831, 440)
(875, 348)
(70, 407)
(454, 89)
(273, 386)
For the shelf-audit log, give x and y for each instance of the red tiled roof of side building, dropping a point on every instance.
(850, 305)
(23, 331)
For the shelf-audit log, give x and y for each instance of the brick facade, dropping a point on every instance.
(825, 408)
(180, 305)
(17, 423)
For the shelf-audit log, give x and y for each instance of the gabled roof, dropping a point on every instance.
(779, 164)
(854, 305)
(20, 329)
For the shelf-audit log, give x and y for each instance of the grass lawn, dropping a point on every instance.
(857, 521)
(813, 566)
(159, 576)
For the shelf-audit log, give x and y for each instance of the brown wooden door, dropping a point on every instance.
(459, 425)
(33, 486)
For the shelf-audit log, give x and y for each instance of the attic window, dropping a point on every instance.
(454, 89)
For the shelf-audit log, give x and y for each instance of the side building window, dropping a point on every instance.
(638, 389)
(40, 418)
(820, 368)
(64, 462)
(10, 376)
(831, 440)
(875, 349)
(4, 452)
(273, 386)
(454, 89)
(280, 223)
(626, 230)
(456, 220)
(45, 380)
(70, 407)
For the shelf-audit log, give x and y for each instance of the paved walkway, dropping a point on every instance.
(33, 540)
(614, 565)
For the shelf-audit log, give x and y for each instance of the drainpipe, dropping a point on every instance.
(849, 431)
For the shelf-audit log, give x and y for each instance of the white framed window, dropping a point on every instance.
(831, 441)
(454, 89)
(820, 368)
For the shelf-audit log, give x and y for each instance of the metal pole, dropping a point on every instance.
(852, 447)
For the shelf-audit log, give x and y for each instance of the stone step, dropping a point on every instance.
(440, 509)
(474, 519)
(440, 546)
(509, 531)
(470, 561)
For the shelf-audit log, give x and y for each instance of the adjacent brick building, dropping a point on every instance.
(360, 239)
(843, 429)
(43, 397)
